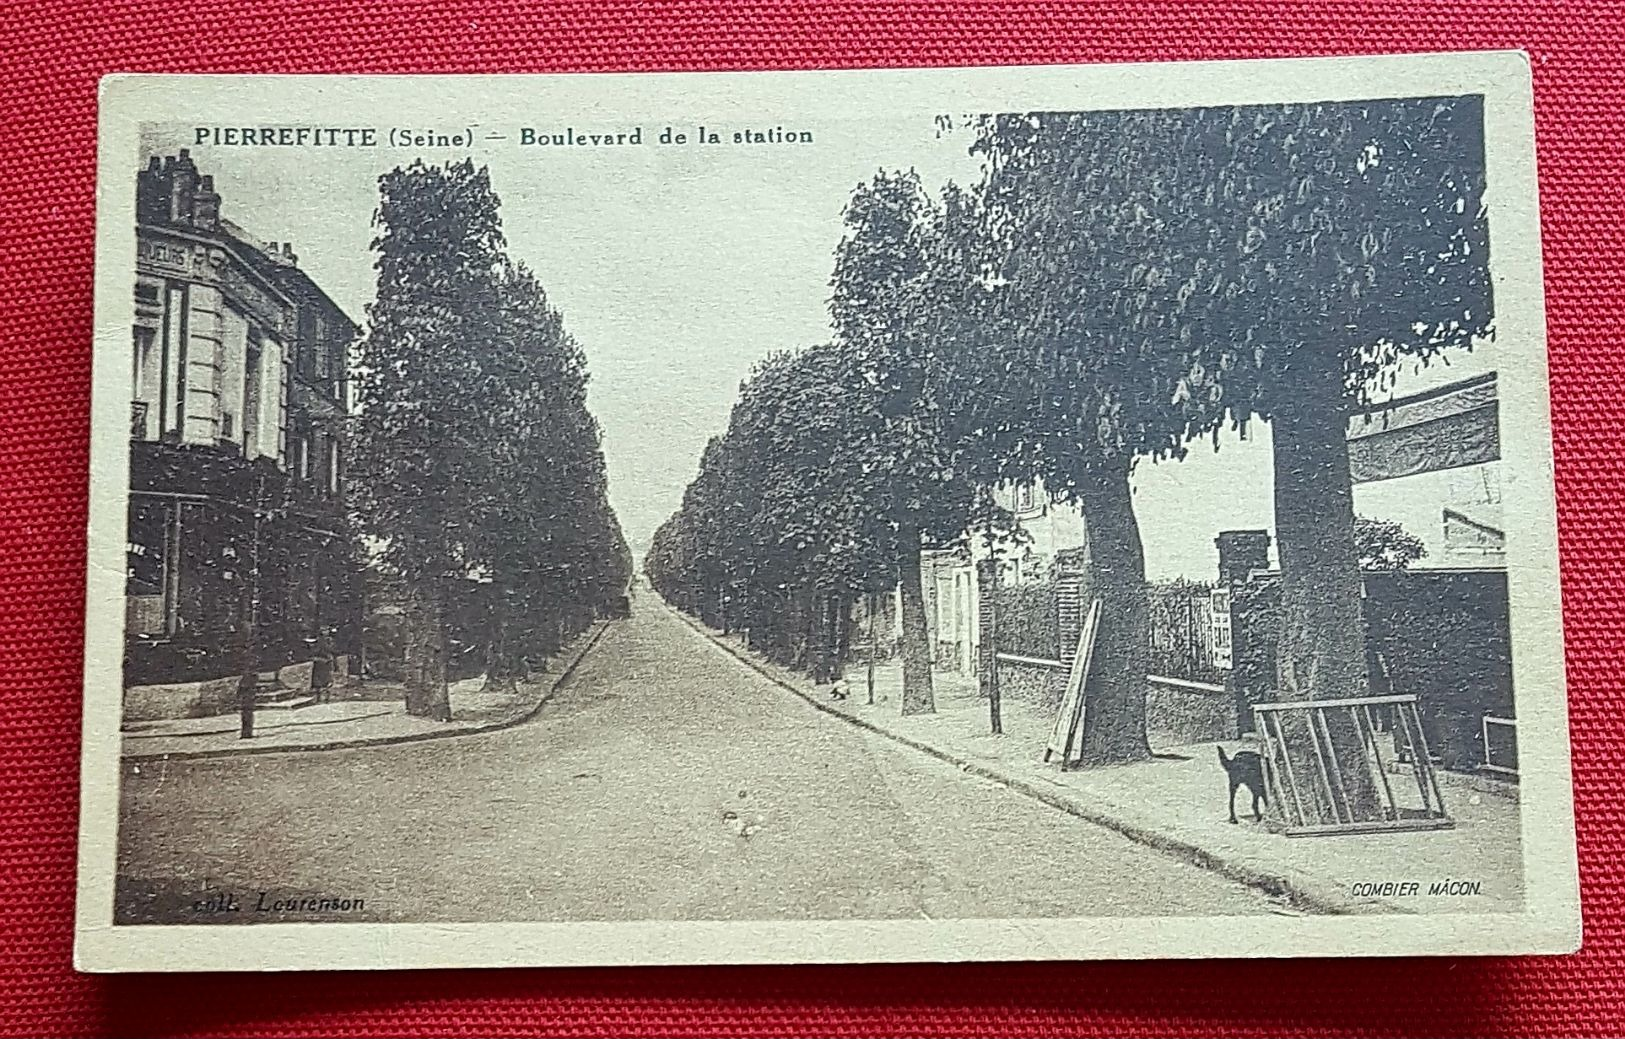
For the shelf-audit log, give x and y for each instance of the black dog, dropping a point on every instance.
(1245, 769)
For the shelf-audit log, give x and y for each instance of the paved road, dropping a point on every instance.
(665, 782)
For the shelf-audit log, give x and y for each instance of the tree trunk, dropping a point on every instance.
(1321, 653)
(813, 625)
(426, 695)
(551, 628)
(918, 697)
(798, 630)
(841, 609)
(502, 661)
(1114, 694)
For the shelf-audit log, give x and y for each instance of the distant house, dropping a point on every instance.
(1051, 540)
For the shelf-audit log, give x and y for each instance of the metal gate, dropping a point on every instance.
(1308, 789)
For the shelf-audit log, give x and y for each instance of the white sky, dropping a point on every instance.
(677, 268)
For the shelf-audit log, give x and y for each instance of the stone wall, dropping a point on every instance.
(1175, 715)
(1039, 685)
(147, 703)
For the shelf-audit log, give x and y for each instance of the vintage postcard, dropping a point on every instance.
(1024, 513)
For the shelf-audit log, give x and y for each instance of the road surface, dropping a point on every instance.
(666, 781)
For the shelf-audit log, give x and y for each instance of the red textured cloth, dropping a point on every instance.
(53, 53)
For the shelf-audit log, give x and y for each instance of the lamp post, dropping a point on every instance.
(990, 630)
(248, 682)
(874, 640)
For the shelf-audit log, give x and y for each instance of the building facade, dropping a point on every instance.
(1050, 545)
(239, 555)
(1431, 461)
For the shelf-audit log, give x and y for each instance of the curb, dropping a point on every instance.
(385, 741)
(1300, 893)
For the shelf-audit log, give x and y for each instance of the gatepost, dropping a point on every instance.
(1243, 553)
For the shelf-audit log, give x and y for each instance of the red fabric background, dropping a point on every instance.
(54, 51)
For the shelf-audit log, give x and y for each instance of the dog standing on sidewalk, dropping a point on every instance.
(1245, 769)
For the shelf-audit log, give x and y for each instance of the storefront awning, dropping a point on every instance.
(1453, 426)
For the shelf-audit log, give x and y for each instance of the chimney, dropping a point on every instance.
(206, 206)
(151, 193)
(182, 186)
(1241, 552)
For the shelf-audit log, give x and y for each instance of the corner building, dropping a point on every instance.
(239, 550)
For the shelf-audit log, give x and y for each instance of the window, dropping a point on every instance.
(319, 346)
(944, 605)
(141, 357)
(332, 466)
(281, 370)
(1025, 499)
(172, 402)
(961, 605)
(252, 392)
(305, 345)
(152, 578)
(232, 377)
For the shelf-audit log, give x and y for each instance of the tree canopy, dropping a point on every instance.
(476, 458)
(1117, 286)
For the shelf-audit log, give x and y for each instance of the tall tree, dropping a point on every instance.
(539, 522)
(1082, 372)
(890, 322)
(842, 461)
(1360, 238)
(478, 459)
(1275, 261)
(421, 394)
(1368, 225)
(789, 518)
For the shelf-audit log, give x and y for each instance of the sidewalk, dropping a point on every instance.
(354, 721)
(1177, 803)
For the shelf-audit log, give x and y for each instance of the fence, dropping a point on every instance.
(1188, 639)
(1028, 621)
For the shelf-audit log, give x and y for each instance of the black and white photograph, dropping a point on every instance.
(972, 514)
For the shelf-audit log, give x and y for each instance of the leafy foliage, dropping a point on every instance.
(1385, 545)
(1119, 285)
(1160, 273)
(475, 454)
(841, 460)
(1156, 272)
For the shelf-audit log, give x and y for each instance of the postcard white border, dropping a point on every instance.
(1550, 922)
